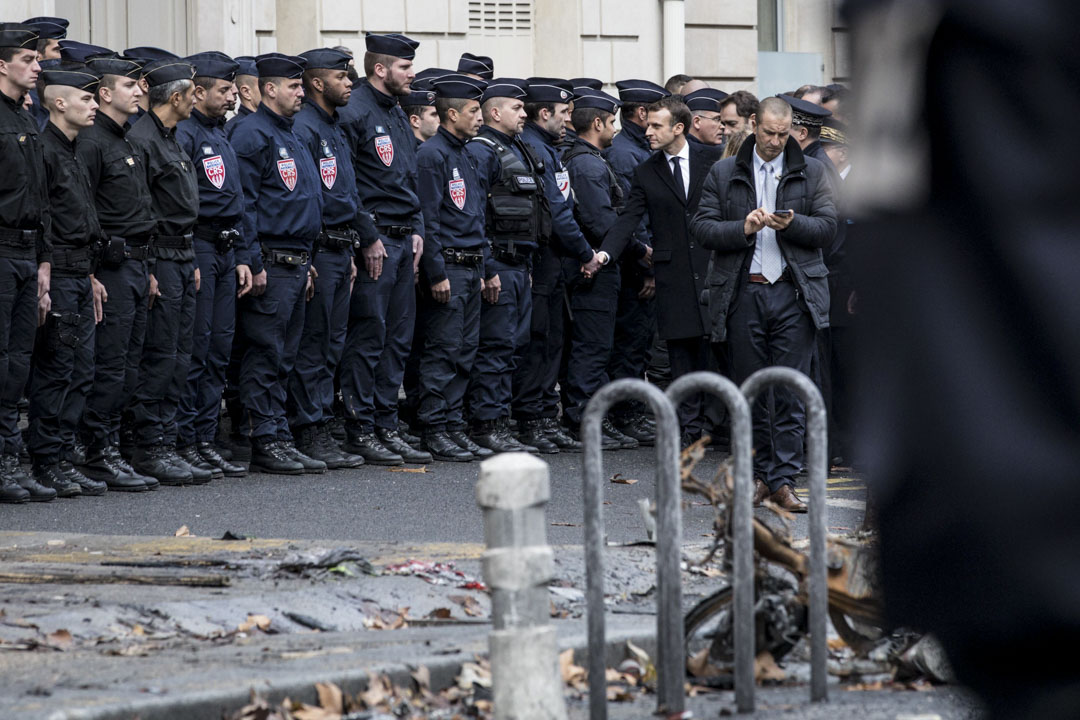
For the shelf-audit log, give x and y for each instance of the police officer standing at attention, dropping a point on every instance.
(221, 280)
(282, 220)
(345, 226)
(454, 265)
(513, 224)
(419, 107)
(706, 127)
(478, 67)
(536, 404)
(122, 199)
(174, 278)
(24, 246)
(247, 88)
(384, 302)
(578, 86)
(50, 30)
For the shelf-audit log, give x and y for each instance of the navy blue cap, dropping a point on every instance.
(75, 51)
(597, 99)
(326, 59)
(247, 65)
(640, 91)
(707, 99)
(545, 90)
(14, 35)
(833, 132)
(213, 64)
(580, 85)
(516, 88)
(418, 96)
(477, 65)
(147, 54)
(53, 28)
(72, 74)
(458, 87)
(50, 63)
(160, 72)
(805, 113)
(429, 74)
(113, 64)
(393, 44)
(280, 65)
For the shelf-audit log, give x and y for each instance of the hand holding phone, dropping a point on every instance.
(784, 213)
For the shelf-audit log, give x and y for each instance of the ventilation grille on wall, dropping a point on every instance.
(500, 18)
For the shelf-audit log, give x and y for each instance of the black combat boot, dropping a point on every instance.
(394, 441)
(268, 455)
(10, 490)
(368, 446)
(311, 465)
(88, 486)
(212, 456)
(610, 431)
(532, 433)
(558, 435)
(38, 493)
(441, 447)
(101, 467)
(199, 474)
(502, 429)
(51, 476)
(463, 441)
(636, 429)
(312, 442)
(191, 455)
(114, 455)
(486, 434)
(154, 462)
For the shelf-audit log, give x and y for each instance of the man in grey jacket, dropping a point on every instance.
(766, 214)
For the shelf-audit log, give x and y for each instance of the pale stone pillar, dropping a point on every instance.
(674, 37)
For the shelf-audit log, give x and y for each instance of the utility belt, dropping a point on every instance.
(339, 238)
(174, 242)
(395, 231)
(469, 258)
(115, 250)
(510, 258)
(72, 262)
(286, 258)
(19, 244)
(222, 240)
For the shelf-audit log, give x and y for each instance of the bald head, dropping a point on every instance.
(693, 86)
(775, 108)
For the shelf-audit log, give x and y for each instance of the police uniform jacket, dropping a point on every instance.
(628, 150)
(556, 180)
(24, 196)
(730, 194)
(597, 201)
(282, 197)
(490, 171)
(118, 176)
(174, 191)
(217, 171)
(384, 153)
(74, 221)
(230, 125)
(328, 146)
(453, 202)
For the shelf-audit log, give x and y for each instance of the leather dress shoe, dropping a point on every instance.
(531, 433)
(311, 465)
(212, 456)
(368, 446)
(465, 443)
(154, 462)
(51, 476)
(199, 474)
(270, 456)
(191, 455)
(626, 442)
(10, 490)
(9, 464)
(785, 497)
(117, 459)
(442, 447)
(88, 486)
(761, 491)
(559, 436)
(395, 442)
(101, 467)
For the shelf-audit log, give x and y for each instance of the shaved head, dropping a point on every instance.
(775, 107)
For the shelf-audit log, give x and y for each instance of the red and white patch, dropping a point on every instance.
(385, 147)
(328, 171)
(287, 170)
(562, 179)
(214, 167)
(457, 193)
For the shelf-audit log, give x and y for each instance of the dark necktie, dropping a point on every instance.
(677, 172)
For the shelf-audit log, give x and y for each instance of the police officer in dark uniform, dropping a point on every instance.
(513, 225)
(51, 30)
(174, 278)
(383, 308)
(24, 248)
(217, 231)
(122, 199)
(455, 268)
(247, 88)
(419, 108)
(282, 220)
(345, 226)
(536, 404)
(635, 321)
(480, 67)
(706, 128)
(598, 199)
(145, 55)
(579, 86)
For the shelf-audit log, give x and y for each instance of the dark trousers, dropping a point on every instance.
(211, 346)
(593, 304)
(689, 355)
(118, 343)
(537, 365)
(504, 332)
(635, 325)
(378, 339)
(410, 379)
(842, 376)
(452, 337)
(63, 368)
(271, 324)
(326, 318)
(18, 320)
(769, 326)
(166, 354)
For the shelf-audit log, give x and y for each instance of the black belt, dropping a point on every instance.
(288, 258)
(19, 238)
(141, 251)
(758, 279)
(75, 262)
(223, 239)
(396, 231)
(341, 237)
(471, 258)
(512, 258)
(176, 242)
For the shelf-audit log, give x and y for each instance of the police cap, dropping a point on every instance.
(113, 64)
(147, 54)
(805, 113)
(705, 99)
(393, 44)
(213, 64)
(53, 28)
(549, 90)
(597, 99)
(280, 65)
(326, 59)
(640, 91)
(161, 72)
(458, 87)
(833, 132)
(476, 65)
(247, 65)
(14, 35)
(580, 85)
(515, 88)
(71, 74)
(75, 51)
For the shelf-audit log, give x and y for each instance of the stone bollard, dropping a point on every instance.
(518, 564)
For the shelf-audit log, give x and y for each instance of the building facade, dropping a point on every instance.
(764, 46)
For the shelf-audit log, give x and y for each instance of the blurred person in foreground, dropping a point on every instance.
(968, 334)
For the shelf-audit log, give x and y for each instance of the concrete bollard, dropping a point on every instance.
(513, 491)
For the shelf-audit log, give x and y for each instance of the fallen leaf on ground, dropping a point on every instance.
(254, 621)
(379, 690)
(183, 532)
(330, 697)
(468, 603)
(618, 479)
(422, 469)
(55, 543)
(766, 669)
(617, 693)
(61, 639)
(648, 675)
(422, 676)
(572, 675)
(474, 674)
(440, 614)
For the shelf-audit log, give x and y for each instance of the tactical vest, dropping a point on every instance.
(516, 207)
(618, 199)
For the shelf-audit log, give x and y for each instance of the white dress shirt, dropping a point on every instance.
(776, 167)
(684, 166)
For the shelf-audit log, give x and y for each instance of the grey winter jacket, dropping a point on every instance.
(730, 194)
